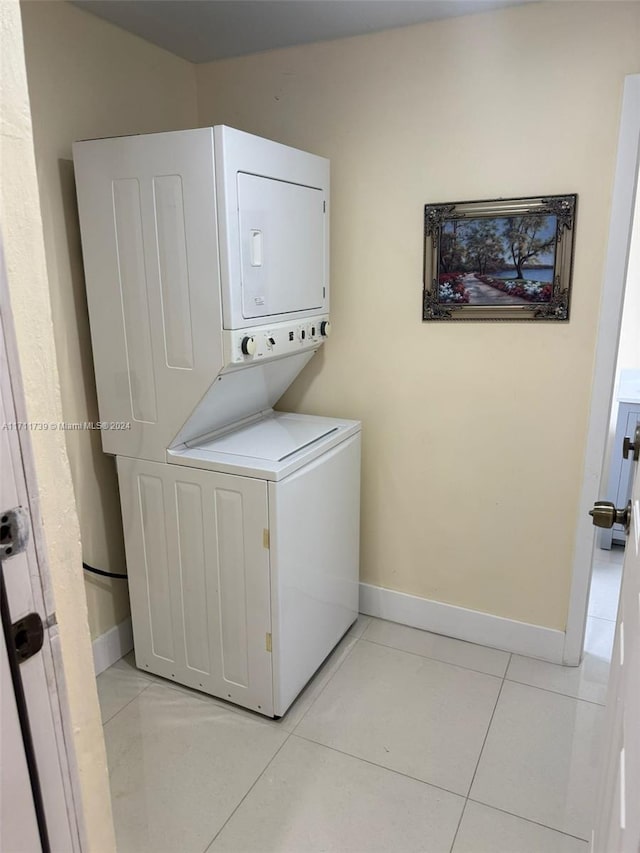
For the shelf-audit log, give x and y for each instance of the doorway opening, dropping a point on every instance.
(597, 569)
(608, 554)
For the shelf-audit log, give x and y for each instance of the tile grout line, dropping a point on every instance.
(379, 766)
(497, 808)
(455, 834)
(133, 699)
(466, 799)
(251, 787)
(439, 660)
(326, 684)
(484, 741)
(528, 820)
(277, 752)
(557, 693)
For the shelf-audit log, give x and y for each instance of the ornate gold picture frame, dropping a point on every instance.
(506, 259)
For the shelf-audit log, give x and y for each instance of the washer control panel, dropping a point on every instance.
(243, 346)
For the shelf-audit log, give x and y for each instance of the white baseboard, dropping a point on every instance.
(112, 645)
(471, 625)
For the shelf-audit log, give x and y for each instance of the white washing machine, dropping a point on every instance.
(206, 260)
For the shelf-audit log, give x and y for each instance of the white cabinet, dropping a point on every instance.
(621, 471)
(198, 565)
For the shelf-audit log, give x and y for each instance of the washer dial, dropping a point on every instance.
(248, 345)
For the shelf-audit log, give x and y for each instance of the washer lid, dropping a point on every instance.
(271, 448)
(273, 438)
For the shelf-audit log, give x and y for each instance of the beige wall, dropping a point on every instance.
(88, 78)
(474, 434)
(29, 295)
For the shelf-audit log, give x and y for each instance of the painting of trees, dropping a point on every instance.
(452, 247)
(485, 245)
(527, 238)
(490, 244)
(499, 258)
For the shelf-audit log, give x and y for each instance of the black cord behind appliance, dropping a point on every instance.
(101, 572)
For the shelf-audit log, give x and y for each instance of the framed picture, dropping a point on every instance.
(508, 259)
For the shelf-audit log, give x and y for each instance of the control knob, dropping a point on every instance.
(248, 345)
(325, 328)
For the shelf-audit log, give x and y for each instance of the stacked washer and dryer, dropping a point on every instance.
(206, 255)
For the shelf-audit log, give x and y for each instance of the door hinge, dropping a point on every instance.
(324, 206)
(14, 532)
(265, 539)
(268, 642)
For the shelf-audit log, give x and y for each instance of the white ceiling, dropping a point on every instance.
(204, 30)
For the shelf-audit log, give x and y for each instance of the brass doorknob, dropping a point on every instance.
(605, 514)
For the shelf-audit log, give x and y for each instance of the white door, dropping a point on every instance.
(617, 828)
(18, 822)
(39, 676)
(282, 246)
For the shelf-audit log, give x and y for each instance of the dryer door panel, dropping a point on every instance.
(199, 578)
(282, 246)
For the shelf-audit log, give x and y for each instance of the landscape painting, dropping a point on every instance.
(506, 259)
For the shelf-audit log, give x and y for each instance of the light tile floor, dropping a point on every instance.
(605, 583)
(403, 741)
